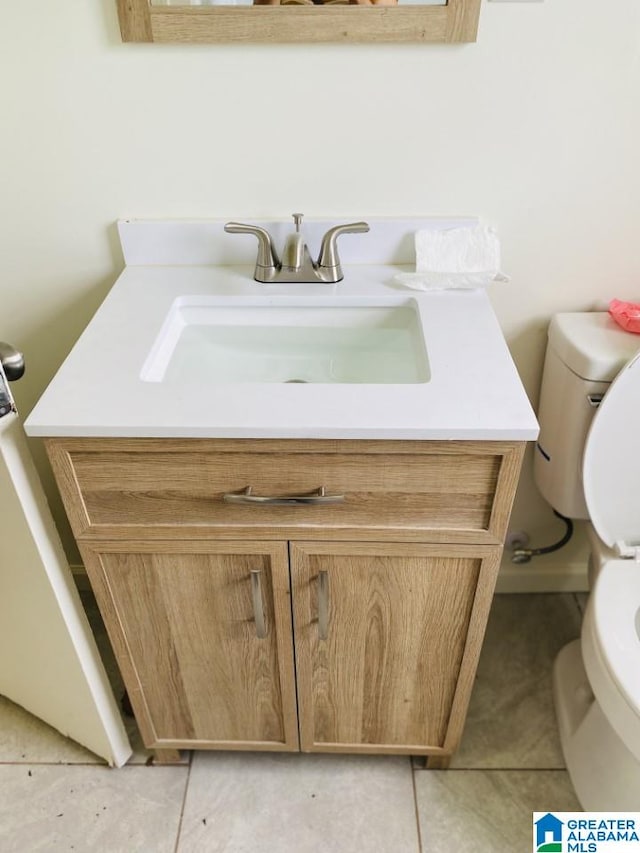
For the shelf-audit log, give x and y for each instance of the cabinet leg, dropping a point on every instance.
(166, 756)
(438, 762)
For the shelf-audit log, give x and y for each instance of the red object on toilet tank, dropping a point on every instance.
(626, 314)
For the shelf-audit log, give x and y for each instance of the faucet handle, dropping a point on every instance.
(267, 255)
(328, 257)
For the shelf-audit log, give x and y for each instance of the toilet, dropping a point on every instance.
(587, 466)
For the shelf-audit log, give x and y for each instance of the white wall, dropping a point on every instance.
(535, 129)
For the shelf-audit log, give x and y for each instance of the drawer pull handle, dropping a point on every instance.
(323, 605)
(258, 609)
(318, 496)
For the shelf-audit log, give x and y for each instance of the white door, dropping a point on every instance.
(49, 663)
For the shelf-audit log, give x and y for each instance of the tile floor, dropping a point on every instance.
(57, 796)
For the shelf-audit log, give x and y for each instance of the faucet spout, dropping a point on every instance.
(293, 255)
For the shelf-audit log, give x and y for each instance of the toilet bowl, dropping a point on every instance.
(596, 680)
(597, 694)
(611, 649)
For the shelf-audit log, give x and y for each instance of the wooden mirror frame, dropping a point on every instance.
(142, 22)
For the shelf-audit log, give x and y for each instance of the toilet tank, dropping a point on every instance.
(585, 352)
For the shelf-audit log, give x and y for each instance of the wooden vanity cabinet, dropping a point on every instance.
(350, 627)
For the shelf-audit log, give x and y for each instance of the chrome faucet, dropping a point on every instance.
(297, 263)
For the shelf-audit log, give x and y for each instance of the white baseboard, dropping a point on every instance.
(539, 576)
(528, 577)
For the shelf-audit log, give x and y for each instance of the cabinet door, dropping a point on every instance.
(387, 642)
(202, 633)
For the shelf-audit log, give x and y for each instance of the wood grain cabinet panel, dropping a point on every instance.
(182, 619)
(391, 668)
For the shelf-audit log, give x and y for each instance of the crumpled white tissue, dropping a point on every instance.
(455, 258)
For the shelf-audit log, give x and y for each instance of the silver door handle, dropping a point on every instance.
(318, 496)
(323, 605)
(12, 361)
(258, 608)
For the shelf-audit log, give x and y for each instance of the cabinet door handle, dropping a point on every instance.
(258, 609)
(317, 496)
(323, 605)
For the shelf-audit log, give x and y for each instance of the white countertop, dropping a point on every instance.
(474, 391)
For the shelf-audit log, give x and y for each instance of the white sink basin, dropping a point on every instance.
(296, 340)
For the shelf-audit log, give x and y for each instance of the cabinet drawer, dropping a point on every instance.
(118, 486)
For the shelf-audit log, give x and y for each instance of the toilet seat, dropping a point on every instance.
(615, 611)
(611, 479)
(611, 463)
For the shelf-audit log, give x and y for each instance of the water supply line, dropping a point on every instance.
(525, 555)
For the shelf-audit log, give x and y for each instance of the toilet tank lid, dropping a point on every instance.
(591, 344)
